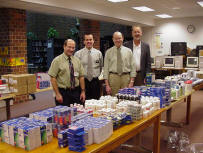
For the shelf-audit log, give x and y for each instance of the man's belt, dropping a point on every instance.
(69, 89)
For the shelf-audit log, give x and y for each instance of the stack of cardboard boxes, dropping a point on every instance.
(21, 84)
(31, 83)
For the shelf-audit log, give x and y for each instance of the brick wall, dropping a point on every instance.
(13, 36)
(4, 35)
(90, 26)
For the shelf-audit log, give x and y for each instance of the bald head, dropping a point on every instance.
(68, 41)
(69, 47)
(118, 39)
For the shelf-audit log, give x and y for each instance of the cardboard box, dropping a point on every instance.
(20, 84)
(199, 74)
(29, 138)
(32, 88)
(19, 90)
(11, 134)
(18, 80)
(200, 52)
(6, 77)
(1, 132)
(31, 78)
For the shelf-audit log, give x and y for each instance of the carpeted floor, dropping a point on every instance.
(194, 130)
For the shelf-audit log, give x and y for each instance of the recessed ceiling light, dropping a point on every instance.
(200, 3)
(143, 9)
(176, 8)
(116, 1)
(164, 16)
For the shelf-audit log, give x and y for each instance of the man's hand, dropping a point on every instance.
(59, 98)
(82, 96)
(108, 90)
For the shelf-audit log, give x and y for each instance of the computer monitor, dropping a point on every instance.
(178, 48)
(192, 61)
(169, 61)
(153, 61)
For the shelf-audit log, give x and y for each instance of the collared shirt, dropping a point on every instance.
(59, 69)
(110, 61)
(97, 60)
(137, 55)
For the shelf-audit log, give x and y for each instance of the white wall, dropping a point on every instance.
(174, 30)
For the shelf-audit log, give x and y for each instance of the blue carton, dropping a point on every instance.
(75, 130)
(77, 149)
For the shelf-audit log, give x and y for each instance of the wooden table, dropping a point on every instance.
(198, 86)
(119, 136)
(43, 90)
(7, 99)
(180, 70)
(187, 99)
(169, 108)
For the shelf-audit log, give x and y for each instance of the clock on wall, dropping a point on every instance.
(190, 28)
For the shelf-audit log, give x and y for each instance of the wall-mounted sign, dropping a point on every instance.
(3, 50)
(20, 61)
(8, 61)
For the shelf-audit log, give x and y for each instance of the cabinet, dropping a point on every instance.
(37, 56)
(54, 48)
(40, 53)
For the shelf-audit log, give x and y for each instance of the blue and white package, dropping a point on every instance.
(26, 133)
(97, 130)
(63, 139)
(76, 139)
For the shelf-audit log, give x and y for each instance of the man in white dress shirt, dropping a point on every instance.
(92, 61)
(141, 54)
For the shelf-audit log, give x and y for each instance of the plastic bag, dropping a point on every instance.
(172, 139)
(195, 148)
(178, 141)
(183, 143)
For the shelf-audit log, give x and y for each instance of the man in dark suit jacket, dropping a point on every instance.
(141, 53)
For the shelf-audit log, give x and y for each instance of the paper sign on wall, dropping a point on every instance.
(158, 43)
(8, 61)
(1, 64)
(20, 61)
(3, 50)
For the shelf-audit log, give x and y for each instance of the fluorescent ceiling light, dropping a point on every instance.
(176, 8)
(143, 9)
(200, 3)
(164, 16)
(116, 1)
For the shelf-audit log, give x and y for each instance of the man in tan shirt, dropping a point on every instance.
(67, 74)
(119, 66)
